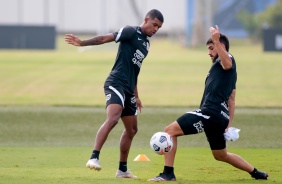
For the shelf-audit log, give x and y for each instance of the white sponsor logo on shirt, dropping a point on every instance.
(138, 57)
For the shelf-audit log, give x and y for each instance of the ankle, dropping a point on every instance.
(95, 154)
(123, 166)
(254, 171)
(168, 169)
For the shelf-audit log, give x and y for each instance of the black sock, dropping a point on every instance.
(122, 166)
(95, 154)
(168, 169)
(254, 171)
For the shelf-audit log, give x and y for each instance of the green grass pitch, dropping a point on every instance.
(52, 145)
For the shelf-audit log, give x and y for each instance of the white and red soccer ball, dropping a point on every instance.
(161, 143)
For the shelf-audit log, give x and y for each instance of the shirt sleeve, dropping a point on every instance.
(125, 33)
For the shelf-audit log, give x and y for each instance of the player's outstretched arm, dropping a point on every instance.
(97, 40)
(226, 62)
(73, 40)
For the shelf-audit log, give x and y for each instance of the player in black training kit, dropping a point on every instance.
(122, 100)
(216, 111)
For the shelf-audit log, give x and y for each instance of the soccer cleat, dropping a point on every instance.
(164, 177)
(126, 174)
(259, 175)
(94, 164)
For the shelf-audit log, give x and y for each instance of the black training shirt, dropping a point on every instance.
(218, 87)
(133, 48)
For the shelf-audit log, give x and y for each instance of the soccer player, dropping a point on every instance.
(216, 111)
(120, 87)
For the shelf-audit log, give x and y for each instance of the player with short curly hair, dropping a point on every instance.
(120, 87)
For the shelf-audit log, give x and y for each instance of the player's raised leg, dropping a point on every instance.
(113, 115)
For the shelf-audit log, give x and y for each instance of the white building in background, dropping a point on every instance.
(186, 20)
(91, 16)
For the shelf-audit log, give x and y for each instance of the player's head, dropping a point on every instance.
(152, 14)
(212, 50)
(222, 39)
(153, 22)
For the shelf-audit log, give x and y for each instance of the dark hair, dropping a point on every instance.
(222, 39)
(155, 14)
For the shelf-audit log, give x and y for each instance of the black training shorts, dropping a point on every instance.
(116, 95)
(198, 121)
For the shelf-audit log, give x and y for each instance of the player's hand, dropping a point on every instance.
(139, 104)
(73, 40)
(215, 33)
(226, 130)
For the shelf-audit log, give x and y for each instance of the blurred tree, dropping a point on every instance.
(254, 23)
(250, 23)
(273, 15)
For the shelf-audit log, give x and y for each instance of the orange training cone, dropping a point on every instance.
(141, 157)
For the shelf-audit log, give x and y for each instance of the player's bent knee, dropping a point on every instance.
(111, 123)
(134, 131)
(220, 156)
(131, 132)
(173, 129)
